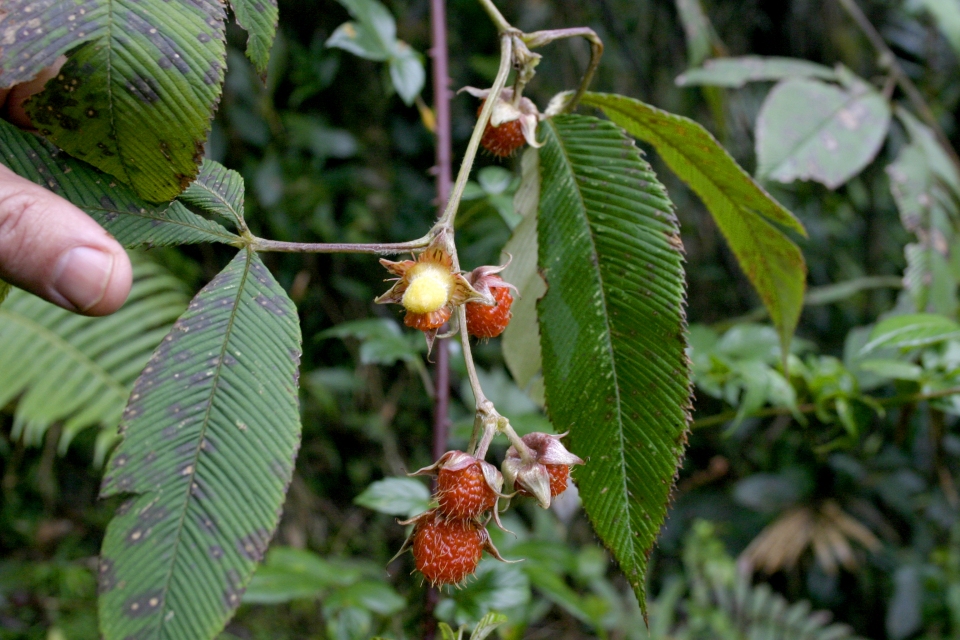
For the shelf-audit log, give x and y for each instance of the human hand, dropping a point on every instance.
(47, 245)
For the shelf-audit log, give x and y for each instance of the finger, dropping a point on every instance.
(18, 94)
(53, 249)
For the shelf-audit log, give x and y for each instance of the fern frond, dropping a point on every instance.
(59, 366)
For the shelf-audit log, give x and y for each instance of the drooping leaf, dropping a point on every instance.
(259, 18)
(137, 93)
(741, 208)
(697, 31)
(736, 72)
(810, 130)
(79, 370)
(209, 440)
(407, 72)
(372, 36)
(131, 220)
(396, 496)
(218, 190)
(612, 329)
(521, 339)
(910, 331)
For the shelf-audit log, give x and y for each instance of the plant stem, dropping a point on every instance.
(484, 406)
(888, 58)
(810, 407)
(541, 38)
(378, 248)
(498, 20)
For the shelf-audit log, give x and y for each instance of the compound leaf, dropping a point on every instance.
(209, 440)
(137, 92)
(218, 190)
(259, 18)
(131, 220)
(741, 208)
(612, 329)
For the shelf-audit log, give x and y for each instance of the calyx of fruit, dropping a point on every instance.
(531, 472)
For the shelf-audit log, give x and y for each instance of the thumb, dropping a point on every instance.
(53, 249)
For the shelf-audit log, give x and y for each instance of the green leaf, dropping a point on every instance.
(374, 34)
(736, 72)
(218, 190)
(612, 329)
(911, 331)
(131, 220)
(810, 130)
(209, 440)
(137, 92)
(383, 341)
(407, 72)
(947, 15)
(79, 370)
(396, 496)
(378, 597)
(741, 208)
(495, 586)
(4, 290)
(259, 19)
(488, 625)
(446, 633)
(893, 369)
(521, 339)
(697, 29)
(293, 574)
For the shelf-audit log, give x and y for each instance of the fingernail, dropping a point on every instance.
(82, 276)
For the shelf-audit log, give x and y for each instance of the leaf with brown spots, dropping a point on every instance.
(218, 190)
(210, 436)
(259, 18)
(137, 92)
(612, 329)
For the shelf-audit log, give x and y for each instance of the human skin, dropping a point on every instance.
(47, 245)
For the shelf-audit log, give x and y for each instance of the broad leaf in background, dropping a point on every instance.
(947, 15)
(137, 92)
(259, 18)
(374, 36)
(396, 496)
(911, 331)
(79, 370)
(612, 329)
(131, 220)
(697, 29)
(290, 574)
(736, 72)
(741, 208)
(521, 339)
(382, 340)
(218, 190)
(210, 436)
(810, 130)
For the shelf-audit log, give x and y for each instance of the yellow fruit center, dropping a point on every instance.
(429, 288)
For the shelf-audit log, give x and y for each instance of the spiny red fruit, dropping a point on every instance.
(427, 321)
(489, 321)
(464, 493)
(559, 474)
(447, 550)
(504, 140)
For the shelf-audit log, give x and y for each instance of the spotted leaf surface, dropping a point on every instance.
(137, 92)
(259, 18)
(131, 220)
(612, 329)
(218, 190)
(210, 435)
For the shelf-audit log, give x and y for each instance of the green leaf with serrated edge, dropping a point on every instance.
(396, 496)
(911, 331)
(218, 190)
(740, 207)
(210, 436)
(131, 220)
(259, 19)
(612, 329)
(521, 339)
(76, 370)
(810, 130)
(736, 72)
(487, 625)
(137, 92)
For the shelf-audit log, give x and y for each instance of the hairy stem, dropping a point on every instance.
(541, 38)
(377, 248)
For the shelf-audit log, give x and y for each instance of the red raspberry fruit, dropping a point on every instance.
(504, 140)
(489, 321)
(464, 493)
(447, 550)
(559, 474)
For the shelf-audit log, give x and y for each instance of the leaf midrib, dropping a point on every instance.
(607, 336)
(220, 234)
(237, 218)
(203, 431)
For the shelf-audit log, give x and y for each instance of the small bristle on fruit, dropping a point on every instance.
(464, 493)
(485, 321)
(447, 550)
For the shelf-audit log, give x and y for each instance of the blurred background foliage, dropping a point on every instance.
(820, 502)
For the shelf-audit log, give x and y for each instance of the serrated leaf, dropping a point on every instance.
(740, 207)
(810, 130)
(209, 440)
(137, 92)
(407, 72)
(396, 496)
(612, 329)
(736, 72)
(259, 19)
(218, 190)
(911, 331)
(521, 339)
(131, 220)
(487, 625)
(79, 370)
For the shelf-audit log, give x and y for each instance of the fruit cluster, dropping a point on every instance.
(449, 540)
